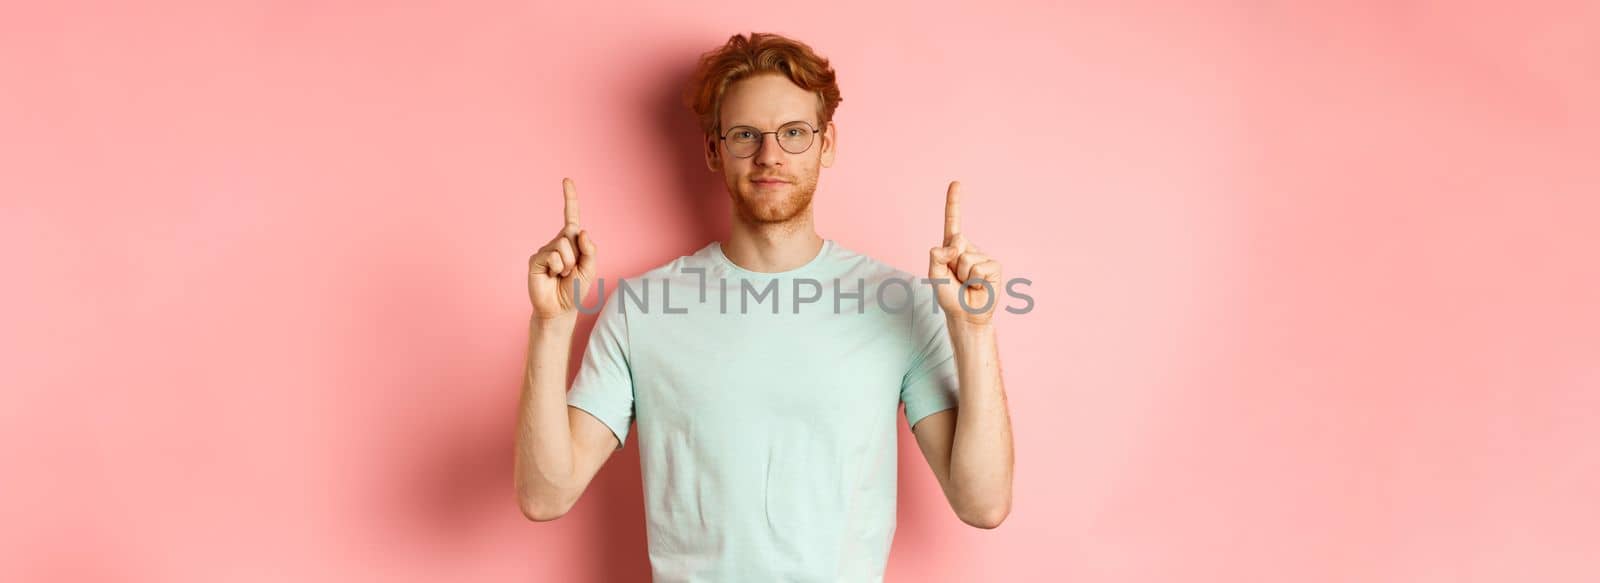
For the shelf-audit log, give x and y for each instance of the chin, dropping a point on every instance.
(762, 209)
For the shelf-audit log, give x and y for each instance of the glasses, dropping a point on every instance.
(794, 137)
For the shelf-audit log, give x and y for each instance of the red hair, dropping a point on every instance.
(759, 53)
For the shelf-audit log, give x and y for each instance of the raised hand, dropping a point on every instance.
(967, 267)
(554, 267)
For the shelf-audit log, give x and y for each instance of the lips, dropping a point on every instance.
(769, 181)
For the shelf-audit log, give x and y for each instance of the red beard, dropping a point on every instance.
(769, 206)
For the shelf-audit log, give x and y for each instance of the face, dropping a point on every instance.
(773, 185)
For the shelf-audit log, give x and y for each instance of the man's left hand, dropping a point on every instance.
(965, 299)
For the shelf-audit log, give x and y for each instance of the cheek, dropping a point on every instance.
(810, 172)
(732, 177)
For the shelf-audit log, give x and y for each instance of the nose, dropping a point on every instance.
(769, 154)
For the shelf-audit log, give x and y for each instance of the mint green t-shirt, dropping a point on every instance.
(766, 407)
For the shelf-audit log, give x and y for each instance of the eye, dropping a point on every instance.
(743, 134)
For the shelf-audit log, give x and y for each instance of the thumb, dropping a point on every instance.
(586, 252)
(939, 263)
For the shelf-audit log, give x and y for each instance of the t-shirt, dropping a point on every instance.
(766, 409)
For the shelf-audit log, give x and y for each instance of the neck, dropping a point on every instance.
(772, 247)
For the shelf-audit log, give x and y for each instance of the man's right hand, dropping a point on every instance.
(567, 258)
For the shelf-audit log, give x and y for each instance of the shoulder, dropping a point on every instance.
(883, 281)
(855, 264)
(683, 266)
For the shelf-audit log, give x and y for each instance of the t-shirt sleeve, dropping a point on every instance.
(930, 384)
(604, 385)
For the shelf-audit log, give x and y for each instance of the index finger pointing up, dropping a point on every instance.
(952, 212)
(571, 206)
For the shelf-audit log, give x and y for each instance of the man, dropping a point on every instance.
(767, 431)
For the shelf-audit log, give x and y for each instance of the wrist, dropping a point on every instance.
(961, 326)
(563, 323)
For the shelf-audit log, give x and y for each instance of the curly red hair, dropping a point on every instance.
(759, 53)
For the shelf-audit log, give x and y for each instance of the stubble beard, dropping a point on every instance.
(778, 210)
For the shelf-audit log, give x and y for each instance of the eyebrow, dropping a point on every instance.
(751, 125)
(791, 119)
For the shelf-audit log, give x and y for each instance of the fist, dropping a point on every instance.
(567, 260)
(965, 299)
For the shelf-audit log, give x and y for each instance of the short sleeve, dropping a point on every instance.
(930, 384)
(604, 385)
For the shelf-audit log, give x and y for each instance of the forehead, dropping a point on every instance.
(768, 99)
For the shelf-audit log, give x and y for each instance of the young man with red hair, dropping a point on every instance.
(767, 436)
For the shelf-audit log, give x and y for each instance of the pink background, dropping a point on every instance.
(1316, 286)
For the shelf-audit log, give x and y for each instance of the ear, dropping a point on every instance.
(712, 153)
(829, 142)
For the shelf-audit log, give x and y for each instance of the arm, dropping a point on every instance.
(969, 448)
(559, 448)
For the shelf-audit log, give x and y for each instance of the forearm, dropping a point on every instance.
(981, 452)
(544, 458)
